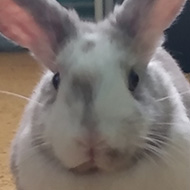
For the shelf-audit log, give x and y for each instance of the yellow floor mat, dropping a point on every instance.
(19, 74)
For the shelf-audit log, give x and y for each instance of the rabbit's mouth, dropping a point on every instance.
(106, 165)
(86, 168)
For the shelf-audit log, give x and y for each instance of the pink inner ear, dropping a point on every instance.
(165, 18)
(159, 18)
(18, 25)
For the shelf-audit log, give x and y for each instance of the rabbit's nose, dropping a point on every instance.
(91, 143)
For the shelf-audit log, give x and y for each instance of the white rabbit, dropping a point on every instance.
(112, 110)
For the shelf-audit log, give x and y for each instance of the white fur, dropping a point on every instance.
(35, 173)
(62, 128)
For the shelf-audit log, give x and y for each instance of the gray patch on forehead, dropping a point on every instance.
(87, 46)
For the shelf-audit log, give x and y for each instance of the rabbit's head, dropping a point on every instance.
(99, 101)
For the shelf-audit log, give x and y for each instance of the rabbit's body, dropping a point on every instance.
(112, 111)
(172, 172)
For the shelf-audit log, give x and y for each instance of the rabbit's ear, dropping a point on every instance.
(145, 20)
(39, 25)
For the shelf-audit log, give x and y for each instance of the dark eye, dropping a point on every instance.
(133, 80)
(56, 80)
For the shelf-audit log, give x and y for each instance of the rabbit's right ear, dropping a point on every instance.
(42, 26)
(145, 20)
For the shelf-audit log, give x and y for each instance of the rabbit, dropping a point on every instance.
(111, 111)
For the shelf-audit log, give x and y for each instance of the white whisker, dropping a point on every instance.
(172, 96)
(159, 153)
(169, 124)
(18, 96)
(165, 153)
(156, 141)
(151, 159)
(35, 147)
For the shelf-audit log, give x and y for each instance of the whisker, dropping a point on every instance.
(18, 96)
(169, 124)
(155, 151)
(159, 136)
(151, 159)
(155, 141)
(34, 147)
(169, 143)
(174, 95)
(48, 158)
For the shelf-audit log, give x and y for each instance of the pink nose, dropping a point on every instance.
(91, 143)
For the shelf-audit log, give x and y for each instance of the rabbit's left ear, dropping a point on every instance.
(42, 26)
(145, 20)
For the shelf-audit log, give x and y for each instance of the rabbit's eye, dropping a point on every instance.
(133, 80)
(56, 80)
